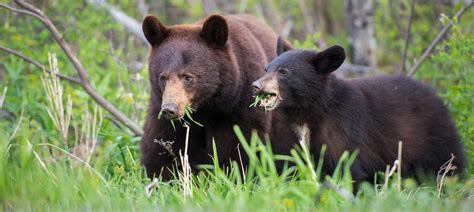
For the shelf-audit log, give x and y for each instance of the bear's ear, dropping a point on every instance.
(282, 46)
(329, 60)
(154, 31)
(215, 30)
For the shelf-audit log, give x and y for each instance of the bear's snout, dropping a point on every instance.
(267, 84)
(175, 99)
(170, 110)
(257, 86)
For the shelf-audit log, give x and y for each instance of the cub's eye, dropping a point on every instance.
(188, 78)
(283, 72)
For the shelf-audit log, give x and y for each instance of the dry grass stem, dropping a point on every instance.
(446, 168)
(241, 163)
(87, 135)
(389, 172)
(185, 177)
(387, 176)
(399, 169)
(397, 166)
(60, 115)
(3, 96)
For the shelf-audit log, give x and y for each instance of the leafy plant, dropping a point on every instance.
(451, 73)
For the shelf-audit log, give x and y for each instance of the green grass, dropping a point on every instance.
(36, 176)
(188, 112)
(257, 99)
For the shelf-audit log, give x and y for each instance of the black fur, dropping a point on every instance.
(368, 114)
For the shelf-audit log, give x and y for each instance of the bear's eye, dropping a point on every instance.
(188, 78)
(283, 71)
(162, 78)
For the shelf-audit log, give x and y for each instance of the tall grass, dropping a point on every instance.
(36, 172)
(60, 114)
(33, 178)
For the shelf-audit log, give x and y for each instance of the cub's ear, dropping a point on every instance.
(154, 31)
(215, 30)
(282, 46)
(329, 60)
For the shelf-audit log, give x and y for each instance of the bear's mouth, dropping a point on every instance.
(268, 100)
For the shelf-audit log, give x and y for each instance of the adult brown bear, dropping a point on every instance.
(368, 114)
(208, 66)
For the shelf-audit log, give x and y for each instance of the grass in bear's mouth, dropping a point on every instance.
(267, 100)
(259, 98)
(187, 112)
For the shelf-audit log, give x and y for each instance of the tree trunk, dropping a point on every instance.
(271, 15)
(129, 23)
(142, 7)
(307, 19)
(359, 15)
(227, 6)
(320, 16)
(209, 6)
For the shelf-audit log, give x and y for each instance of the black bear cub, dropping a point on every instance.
(370, 115)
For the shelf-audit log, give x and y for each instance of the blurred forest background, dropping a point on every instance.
(47, 126)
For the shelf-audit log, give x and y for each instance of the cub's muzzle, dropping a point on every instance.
(266, 89)
(257, 86)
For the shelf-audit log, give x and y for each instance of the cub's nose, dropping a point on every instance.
(169, 110)
(257, 86)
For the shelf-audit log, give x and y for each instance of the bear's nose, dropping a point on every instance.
(257, 86)
(169, 110)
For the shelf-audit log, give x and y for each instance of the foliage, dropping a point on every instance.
(102, 47)
(37, 170)
(34, 175)
(451, 72)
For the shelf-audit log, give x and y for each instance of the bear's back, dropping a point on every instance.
(403, 109)
(250, 38)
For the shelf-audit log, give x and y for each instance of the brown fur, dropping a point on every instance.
(222, 64)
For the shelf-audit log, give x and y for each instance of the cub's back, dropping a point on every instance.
(410, 111)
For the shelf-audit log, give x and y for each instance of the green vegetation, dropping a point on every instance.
(188, 112)
(258, 99)
(94, 162)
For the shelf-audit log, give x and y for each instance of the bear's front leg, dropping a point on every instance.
(162, 144)
(158, 148)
